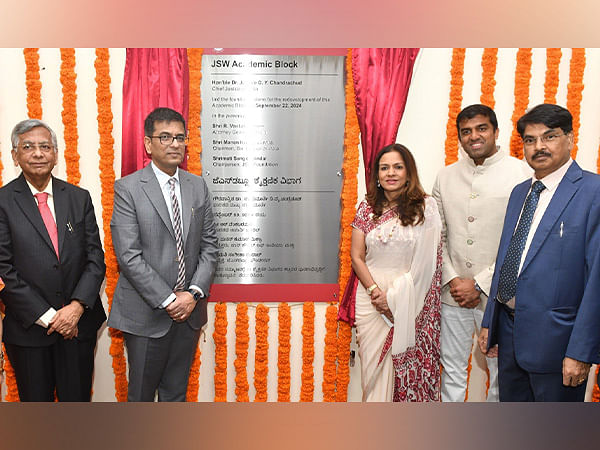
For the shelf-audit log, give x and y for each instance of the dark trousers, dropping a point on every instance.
(518, 385)
(65, 367)
(161, 364)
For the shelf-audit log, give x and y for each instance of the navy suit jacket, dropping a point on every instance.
(35, 278)
(557, 311)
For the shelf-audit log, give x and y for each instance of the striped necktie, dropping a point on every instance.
(178, 236)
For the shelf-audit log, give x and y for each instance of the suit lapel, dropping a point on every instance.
(564, 192)
(187, 192)
(27, 204)
(152, 189)
(61, 210)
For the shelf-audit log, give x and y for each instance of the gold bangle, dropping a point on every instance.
(370, 289)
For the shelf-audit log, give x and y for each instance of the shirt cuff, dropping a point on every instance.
(170, 299)
(44, 320)
(196, 288)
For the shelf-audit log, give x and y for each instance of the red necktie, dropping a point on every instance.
(42, 199)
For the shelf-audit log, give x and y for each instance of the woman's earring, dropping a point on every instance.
(378, 185)
(407, 183)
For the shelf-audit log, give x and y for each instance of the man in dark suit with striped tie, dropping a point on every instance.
(166, 245)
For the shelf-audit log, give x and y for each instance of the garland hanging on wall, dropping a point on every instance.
(69, 113)
(220, 338)
(553, 56)
(522, 79)
(307, 388)
(241, 352)
(33, 83)
(12, 391)
(489, 60)
(283, 353)
(195, 144)
(574, 93)
(348, 200)
(330, 354)
(107, 181)
(457, 69)
(261, 353)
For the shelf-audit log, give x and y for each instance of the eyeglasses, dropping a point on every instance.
(29, 147)
(167, 139)
(530, 141)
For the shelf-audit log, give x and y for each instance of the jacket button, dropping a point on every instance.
(471, 219)
(469, 265)
(55, 266)
(469, 241)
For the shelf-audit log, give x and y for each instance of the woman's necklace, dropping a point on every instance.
(379, 235)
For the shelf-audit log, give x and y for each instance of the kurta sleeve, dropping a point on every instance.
(408, 293)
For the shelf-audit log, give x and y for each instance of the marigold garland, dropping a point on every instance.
(553, 56)
(33, 83)
(457, 69)
(107, 181)
(522, 79)
(12, 392)
(596, 390)
(574, 92)
(241, 352)
(195, 143)
(283, 354)
(308, 352)
(69, 113)
(348, 199)
(220, 338)
(329, 354)
(489, 60)
(261, 353)
(193, 388)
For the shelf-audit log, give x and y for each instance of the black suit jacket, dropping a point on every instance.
(34, 278)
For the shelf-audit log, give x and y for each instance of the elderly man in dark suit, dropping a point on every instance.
(166, 245)
(52, 264)
(545, 313)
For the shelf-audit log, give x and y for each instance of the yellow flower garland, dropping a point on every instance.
(220, 338)
(553, 56)
(308, 352)
(489, 60)
(241, 351)
(574, 92)
(283, 355)
(457, 69)
(522, 78)
(69, 113)
(33, 83)
(261, 353)
(195, 143)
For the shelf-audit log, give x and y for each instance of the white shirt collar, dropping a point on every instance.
(162, 177)
(552, 180)
(34, 190)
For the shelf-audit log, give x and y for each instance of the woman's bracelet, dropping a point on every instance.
(370, 289)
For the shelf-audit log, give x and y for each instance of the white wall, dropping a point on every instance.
(423, 131)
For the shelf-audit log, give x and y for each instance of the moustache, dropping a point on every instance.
(540, 153)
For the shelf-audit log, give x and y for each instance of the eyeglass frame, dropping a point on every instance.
(35, 146)
(162, 137)
(549, 137)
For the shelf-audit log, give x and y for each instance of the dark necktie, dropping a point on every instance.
(178, 236)
(42, 199)
(507, 285)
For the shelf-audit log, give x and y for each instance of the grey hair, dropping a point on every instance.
(27, 125)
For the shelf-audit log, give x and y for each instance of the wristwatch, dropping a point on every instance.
(196, 294)
(478, 289)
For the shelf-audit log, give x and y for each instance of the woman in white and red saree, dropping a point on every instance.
(396, 255)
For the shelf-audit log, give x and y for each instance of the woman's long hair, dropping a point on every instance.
(410, 204)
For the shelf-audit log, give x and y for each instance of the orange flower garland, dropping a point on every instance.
(261, 353)
(574, 92)
(308, 352)
(283, 355)
(349, 196)
(329, 354)
(457, 69)
(522, 79)
(69, 113)
(596, 390)
(241, 352)
(195, 143)
(489, 59)
(12, 392)
(33, 83)
(107, 180)
(553, 56)
(220, 338)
